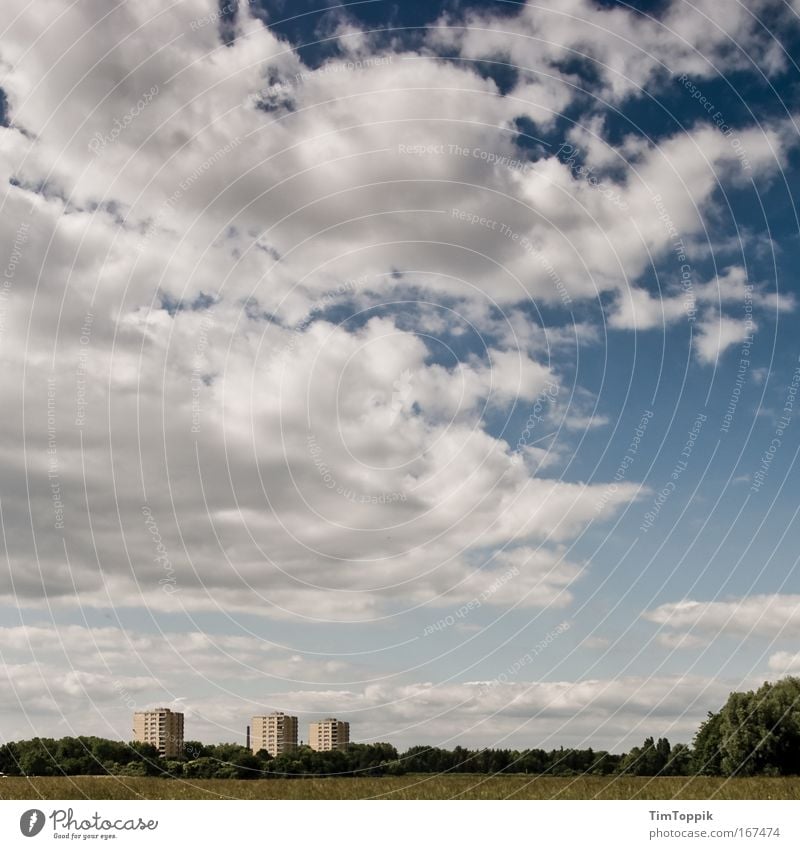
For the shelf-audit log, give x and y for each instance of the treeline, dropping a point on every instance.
(97, 756)
(755, 733)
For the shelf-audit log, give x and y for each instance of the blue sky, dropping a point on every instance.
(429, 365)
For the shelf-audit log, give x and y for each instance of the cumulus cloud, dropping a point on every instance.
(785, 663)
(345, 483)
(598, 712)
(771, 616)
(511, 711)
(716, 334)
(272, 327)
(627, 52)
(192, 302)
(165, 660)
(680, 641)
(701, 304)
(638, 309)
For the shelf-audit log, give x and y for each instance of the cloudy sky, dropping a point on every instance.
(432, 365)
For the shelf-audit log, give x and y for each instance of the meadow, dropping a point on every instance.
(402, 787)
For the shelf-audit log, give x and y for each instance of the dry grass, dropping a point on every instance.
(406, 787)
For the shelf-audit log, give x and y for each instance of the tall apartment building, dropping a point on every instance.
(276, 732)
(329, 734)
(162, 728)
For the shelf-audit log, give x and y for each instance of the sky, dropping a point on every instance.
(429, 365)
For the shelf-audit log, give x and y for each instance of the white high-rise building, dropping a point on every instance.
(276, 732)
(162, 728)
(329, 734)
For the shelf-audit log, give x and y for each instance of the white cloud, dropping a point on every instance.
(638, 309)
(337, 494)
(165, 661)
(598, 712)
(99, 676)
(785, 663)
(300, 460)
(770, 616)
(733, 287)
(301, 420)
(715, 334)
(680, 641)
(628, 53)
(538, 578)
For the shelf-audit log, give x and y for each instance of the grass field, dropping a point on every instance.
(406, 787)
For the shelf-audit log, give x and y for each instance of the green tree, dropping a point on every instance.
(679, 761)
(263, 756)
(760, 731)
(650, 758)
(707, 752)
(9, 759)
(534, 761)
(146, 755)
(195, 749)
(37, 757)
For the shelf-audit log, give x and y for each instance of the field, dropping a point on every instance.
(406, 787)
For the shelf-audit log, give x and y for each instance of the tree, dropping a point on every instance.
(535, 761)
(73, 756)
(9, 759)
(605, 763)
(36, 757)
(759, 732)
(649, 759)
(195, 749)
(246, 765)
(707, 753)
(147, 755)
(679, 761)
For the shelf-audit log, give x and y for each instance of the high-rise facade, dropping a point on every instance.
(329, 734)
(276, 732)
(162, 728)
